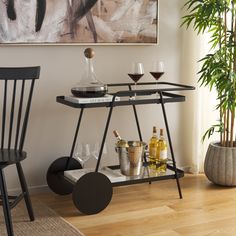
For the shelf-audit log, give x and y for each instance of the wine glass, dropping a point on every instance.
(157, 70)
(137, 71)
(82, 153)
(95, 153)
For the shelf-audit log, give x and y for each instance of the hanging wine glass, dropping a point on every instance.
(137, 71)
(157, 70)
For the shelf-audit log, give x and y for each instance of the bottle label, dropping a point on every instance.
(163, 154)
(153, 151)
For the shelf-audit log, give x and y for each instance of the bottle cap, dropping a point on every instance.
(161, 132)
(116, 134)
(154, 129)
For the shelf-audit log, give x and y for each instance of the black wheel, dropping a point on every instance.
(55, 179)
(92, 193)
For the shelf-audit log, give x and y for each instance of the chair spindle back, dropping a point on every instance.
(18, 82)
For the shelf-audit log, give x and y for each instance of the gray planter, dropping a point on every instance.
(220, 165)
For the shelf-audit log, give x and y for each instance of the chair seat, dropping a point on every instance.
(11, 156)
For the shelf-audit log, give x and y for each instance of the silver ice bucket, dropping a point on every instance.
(131, 158)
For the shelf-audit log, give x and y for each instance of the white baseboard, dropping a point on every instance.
(186, 169)
(191, 170)
(32, 190)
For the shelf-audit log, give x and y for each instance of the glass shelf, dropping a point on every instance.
(125, 101)
(117, 179)
(144, 96)
(148, 175)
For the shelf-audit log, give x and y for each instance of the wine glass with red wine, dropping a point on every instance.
(137, 71)
(157, 70)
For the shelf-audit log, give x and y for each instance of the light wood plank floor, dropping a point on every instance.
(156, 210)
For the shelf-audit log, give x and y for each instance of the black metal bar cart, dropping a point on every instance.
(92, 192)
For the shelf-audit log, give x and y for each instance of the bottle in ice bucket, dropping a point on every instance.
(120, 142)
(153, 149)
(161, 153)
(130, 155)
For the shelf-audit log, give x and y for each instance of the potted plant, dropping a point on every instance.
(218, 71)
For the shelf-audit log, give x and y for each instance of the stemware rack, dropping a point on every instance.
(93, 191)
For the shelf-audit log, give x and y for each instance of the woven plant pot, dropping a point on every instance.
(220, 165)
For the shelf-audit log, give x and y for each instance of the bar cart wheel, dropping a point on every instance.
(92, 193)
(55, 179)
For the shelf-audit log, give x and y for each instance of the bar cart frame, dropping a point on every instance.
(93, 191)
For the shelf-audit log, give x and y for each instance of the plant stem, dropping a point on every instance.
(232, 129)
(224, 136)
(221, 119)
(225, 141)
(234, 60)
(221, 110)
(231, 61)
(227, 129)
(234, 67)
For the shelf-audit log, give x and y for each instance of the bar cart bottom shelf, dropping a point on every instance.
(117, 179)
(92, 191)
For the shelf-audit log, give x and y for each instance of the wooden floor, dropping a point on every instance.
(156, 210)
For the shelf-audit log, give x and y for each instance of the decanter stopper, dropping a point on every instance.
(89, 53)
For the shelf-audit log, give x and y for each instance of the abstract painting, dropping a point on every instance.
(78, 21)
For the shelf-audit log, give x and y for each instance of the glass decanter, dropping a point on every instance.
(89, 86)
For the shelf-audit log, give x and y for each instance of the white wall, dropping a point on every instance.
(52, 125)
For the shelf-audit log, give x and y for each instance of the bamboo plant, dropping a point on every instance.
(218, 67)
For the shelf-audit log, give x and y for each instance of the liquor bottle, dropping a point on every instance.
(153, 148)
(162, 153)
(120, 142)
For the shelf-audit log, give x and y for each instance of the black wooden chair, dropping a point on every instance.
(17, 86)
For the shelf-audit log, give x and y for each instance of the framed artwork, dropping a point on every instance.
(78, 21)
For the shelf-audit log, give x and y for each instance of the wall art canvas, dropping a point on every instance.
(78, 21)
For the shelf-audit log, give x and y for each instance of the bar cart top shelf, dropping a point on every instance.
(144, 96)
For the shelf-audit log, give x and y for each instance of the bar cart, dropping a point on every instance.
(92, 192)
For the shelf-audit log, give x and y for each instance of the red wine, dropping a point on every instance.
(156, 75)
(135, 77)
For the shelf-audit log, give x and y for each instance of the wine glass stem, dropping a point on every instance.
(135, 89)
(81, 163)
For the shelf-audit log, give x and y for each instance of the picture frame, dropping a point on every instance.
(79, 22)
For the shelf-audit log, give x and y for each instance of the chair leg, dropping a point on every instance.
(25, 191)
(5, 204)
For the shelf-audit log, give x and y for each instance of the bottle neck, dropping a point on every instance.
(89, 62)
(161, 134)
(90, 70)
(154, 131)
(117, 135)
